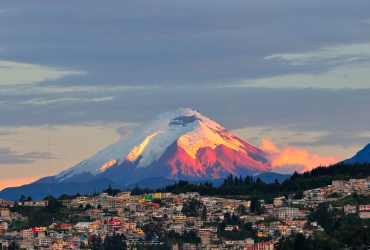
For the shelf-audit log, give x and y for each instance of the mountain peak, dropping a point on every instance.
(183, 115)
(194, 146)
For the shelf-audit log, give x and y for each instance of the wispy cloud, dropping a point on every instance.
(68, 100)
(332, 67)
(24, 73)
(339, 54)
(8, 156)
(125, 130)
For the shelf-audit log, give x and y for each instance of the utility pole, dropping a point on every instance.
(49, 169)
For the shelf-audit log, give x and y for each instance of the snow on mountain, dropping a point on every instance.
(193, 143)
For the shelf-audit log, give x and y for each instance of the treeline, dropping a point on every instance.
(353, 170)
(237, 182)
(249, 185)
(234, 185)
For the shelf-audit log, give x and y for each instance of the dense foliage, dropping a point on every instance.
(137, 191)
(41, 216)
(154, 231)
(115, 242)
(187, 237)
(68, 197)
(318, 177)
(245, 230)
(190, 208)
(44, 216)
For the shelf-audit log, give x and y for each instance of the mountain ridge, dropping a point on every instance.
(361, 156)
(39, 189)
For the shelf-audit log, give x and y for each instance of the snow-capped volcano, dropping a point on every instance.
(178, 145)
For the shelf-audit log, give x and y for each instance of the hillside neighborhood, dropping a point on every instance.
(182, 221)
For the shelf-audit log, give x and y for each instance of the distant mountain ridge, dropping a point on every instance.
(39, 190)
(362, 156)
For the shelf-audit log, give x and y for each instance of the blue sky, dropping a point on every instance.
(293, 71)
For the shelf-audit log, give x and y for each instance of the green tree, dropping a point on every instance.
(115, 242)
(49, 197)
(23, 198)
(241, 209)
(95, 243)
(241, 181)
(300, 242)
(227, 218)
(190, 208)
(109, 190)
(29, 198)
(231, 181)
(299, 195)
(204, 213)
(256, 206)
(247, 181)
(12, 246)
(154, 230)
(236, 181)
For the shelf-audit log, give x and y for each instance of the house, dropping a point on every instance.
(348, 209)
(82, 225)
(364, 211)
(192, 194)
(39, 229)
(231, 227)
(278, 202)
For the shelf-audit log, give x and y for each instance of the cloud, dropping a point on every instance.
(125, 130)
(331, 54)
(342, 66)
(37, 155)
(173, 43)
(281, 135)
(291, 158)
(174, 48)
(24, 73)
(345, 139)
(338, 78)
(7, 156)
(68, 100)
(298, 110)
(7, 133)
